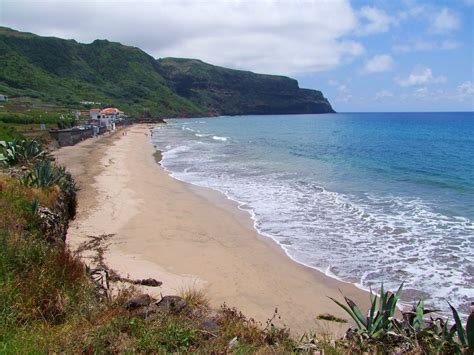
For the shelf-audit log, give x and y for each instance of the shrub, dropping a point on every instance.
(434, 335)
(379, 319)
(194, 298)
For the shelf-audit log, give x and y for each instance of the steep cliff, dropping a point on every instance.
(236, 92)
(66, 72)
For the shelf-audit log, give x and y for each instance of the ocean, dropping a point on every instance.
(363, 197)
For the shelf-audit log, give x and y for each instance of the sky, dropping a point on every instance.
(378, 55)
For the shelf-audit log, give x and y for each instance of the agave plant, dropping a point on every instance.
(21, 151)
(45, 174)
(456, 337)
(379, 319)
(465, 335)
(413, 320)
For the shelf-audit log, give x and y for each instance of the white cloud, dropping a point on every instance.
(448, 44)
(420, 76)
(284, 37)
(383, 94)
(378, 63)
(344, 94)
(426, 45)
(426, 94)
(421, 93)
(374, 20)
(439, 19)
(466, 90)
(445, 21)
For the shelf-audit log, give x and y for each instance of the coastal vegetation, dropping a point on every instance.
(64, 74)
(414, 330)
(51, 302)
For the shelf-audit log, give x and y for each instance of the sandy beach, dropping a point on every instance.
(187, 237)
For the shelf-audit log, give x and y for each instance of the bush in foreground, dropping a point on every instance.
(380, 327)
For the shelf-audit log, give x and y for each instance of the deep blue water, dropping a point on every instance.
(364, 197)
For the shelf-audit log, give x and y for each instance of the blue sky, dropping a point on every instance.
(379, 55)
(420, 60)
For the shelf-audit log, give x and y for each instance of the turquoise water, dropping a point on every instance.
(363, 197)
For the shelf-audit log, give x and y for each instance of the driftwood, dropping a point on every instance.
(102, 275)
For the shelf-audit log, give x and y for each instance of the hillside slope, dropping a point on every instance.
(237, 92)
(66, 72)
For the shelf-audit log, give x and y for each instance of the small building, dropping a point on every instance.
(90, 103)
(94, 113)
(3, 97)
(109, 116)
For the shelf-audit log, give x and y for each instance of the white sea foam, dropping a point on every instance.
(222, 139)
(369, 238)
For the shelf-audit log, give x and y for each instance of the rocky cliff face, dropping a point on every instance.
(235, 92)
(66, 72)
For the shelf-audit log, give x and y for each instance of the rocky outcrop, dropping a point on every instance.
(235, 92)
(54, 221)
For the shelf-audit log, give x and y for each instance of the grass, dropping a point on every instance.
(49, 304)
(195, 298)
(8, 133)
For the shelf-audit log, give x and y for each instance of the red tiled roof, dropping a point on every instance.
(109, 110)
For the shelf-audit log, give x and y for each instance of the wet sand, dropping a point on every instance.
(190, 237)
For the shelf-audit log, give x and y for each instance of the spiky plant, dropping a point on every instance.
(465, 335)
(413, 320)
(21, 151)
(380, 315)
(45, 174)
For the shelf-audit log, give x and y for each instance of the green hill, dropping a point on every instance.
(65, 72)
(237, 92)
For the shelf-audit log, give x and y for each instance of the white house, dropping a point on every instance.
(3, 97)
(109, 116)
(94, 113)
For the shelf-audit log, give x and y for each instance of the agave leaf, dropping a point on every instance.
(459, 328)
(383, 299)
(392, 301)
(373, 301)
(453, 329)
(349, 311)
(356, 310)
(470, 331)
(378, 320)
(382, 328)
(396, 298)
(419, 312)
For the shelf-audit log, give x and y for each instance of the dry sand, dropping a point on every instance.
(189, 237)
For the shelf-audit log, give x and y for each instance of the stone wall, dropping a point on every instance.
(72, 136)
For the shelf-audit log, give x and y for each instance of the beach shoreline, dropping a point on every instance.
(190, 237)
